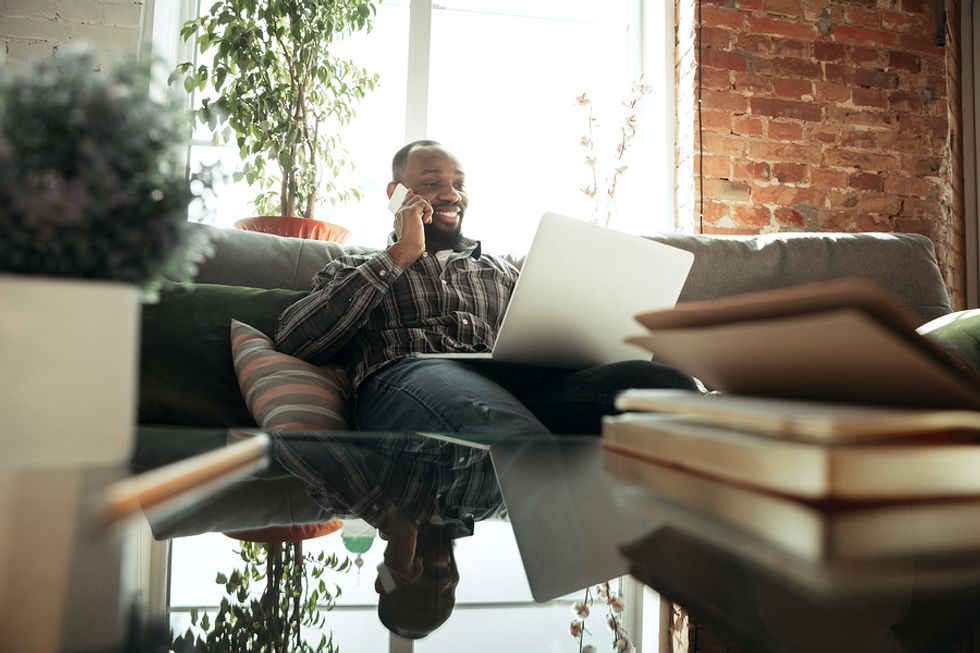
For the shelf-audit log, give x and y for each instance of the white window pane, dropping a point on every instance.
(502, 97)
(378, 130)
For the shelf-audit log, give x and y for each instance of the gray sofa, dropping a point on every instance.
(186, 371)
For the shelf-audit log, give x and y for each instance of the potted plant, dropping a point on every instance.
(280, 91)
(93, 214)
(294, 597)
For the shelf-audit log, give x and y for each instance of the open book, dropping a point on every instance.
(847, 340)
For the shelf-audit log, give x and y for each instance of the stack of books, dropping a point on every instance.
(839, 435)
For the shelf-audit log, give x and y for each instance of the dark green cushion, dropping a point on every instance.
(186, 372)
(959, 334)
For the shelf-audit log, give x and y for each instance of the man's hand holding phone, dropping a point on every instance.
(411, 214)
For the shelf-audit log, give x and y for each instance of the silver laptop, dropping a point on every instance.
(579, 288)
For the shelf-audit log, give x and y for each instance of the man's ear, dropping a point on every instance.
(391, 188)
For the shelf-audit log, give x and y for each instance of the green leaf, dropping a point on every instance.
(221, 579)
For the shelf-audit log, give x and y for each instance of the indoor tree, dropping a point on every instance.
(281, 93)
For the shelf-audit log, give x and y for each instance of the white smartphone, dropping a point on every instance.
(397, 198)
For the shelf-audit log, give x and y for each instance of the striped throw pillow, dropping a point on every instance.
(284, 393)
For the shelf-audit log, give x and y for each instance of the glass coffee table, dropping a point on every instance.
(429, 542)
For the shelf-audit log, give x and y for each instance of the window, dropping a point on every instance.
(497, 81)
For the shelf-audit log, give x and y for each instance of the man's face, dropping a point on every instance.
(436, 175)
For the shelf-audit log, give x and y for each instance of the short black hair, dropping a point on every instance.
(401, 156)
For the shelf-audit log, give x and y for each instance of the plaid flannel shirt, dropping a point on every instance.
(366, 311)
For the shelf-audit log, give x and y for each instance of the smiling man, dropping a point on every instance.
(432, 290)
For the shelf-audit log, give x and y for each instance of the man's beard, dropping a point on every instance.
(439, 239)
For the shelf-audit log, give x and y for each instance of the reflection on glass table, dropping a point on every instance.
(438, 537)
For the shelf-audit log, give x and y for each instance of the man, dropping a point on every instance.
(435, 291)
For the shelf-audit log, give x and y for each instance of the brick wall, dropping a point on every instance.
(820, 115)
(31, 29)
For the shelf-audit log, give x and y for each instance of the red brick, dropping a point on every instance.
(754, 43)
(785, 131)
(731, 191)
(860, 117)
(866, 202)
(714, 166)
(734, 146)
(871, 78)
(747, 126)
(860, 139)
(786, 109)
(865, 181)
(789, 196)
(869, 97)
(867, 57)
(791, 173)
(752, 216)
(791, 48)
(917, 6)
(786, 217)
(783, 7)
(753, 83)
(837, 221)
(905, 101)
(915, 209)
(923, 43)
(831, 92)
(863, 17)
(911, 187)
(749, 5)
(897, 21)
(904, 61)
(717, 121)
(710, 230)
(869, 223)
(821, 134)
(793, 88)
(833, 72)
(792, 152)
(861, 160)
(723, 101)
(716, 37)
(714, 58)
(742, 169)
(779, 27)
(788, 67)
(715, 212)
(925, 166)
(716, 79)
(828, 51)
(824, 178)
(722, 17)
(864, 35)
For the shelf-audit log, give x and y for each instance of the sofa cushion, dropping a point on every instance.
(903, 263)
(284, 393)
(286, 262)
(186, 371)
(959, 334)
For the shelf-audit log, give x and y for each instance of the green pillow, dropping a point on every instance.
(957, 333)
(186, 371)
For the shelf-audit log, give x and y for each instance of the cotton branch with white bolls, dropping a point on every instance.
(602, 190)
(615, 607)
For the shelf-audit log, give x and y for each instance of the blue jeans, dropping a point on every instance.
(452, 396)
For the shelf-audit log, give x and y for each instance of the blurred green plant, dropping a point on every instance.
(281, 93)
(90, 184)
(295, 596)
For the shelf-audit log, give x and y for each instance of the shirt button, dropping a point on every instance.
(444, 282)
(425, 253)
(466, 322)
(382, 273)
